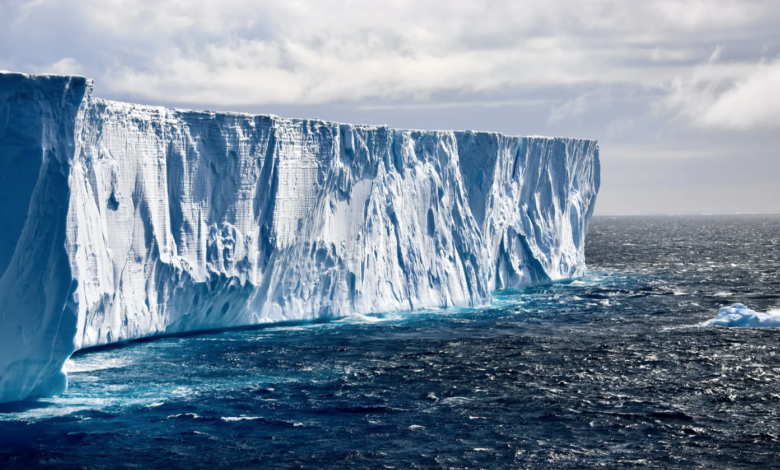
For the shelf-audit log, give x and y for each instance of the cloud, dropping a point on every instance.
(751, 102)
(571, 108)
(242, 52)
(667, 86)
(66, 66)
(620, 126)
(737, 97)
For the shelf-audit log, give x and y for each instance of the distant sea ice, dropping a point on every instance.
(740, 316)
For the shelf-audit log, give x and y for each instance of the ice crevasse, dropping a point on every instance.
(120, 221)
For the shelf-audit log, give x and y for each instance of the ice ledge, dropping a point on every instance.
(129, 220)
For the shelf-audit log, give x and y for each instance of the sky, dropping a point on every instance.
(683, 96)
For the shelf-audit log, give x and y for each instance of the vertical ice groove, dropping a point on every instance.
(127, 221)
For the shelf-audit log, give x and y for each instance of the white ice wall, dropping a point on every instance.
(180, 220)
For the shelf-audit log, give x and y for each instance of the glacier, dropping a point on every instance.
(122, 221)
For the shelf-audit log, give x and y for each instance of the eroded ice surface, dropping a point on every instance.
(122, 221)
(740, 316)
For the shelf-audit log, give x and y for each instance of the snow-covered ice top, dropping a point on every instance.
(123, 221)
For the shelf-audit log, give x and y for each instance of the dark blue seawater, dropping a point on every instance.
(610, 370)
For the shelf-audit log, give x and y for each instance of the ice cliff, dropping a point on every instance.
(119, 221)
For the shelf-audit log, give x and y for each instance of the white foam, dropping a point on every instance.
(184, 415)
(42, 413)
(239, 418)
(92, 364)
(739, 316)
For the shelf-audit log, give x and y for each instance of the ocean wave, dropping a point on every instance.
(240, 418)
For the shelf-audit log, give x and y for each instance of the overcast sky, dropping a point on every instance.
(683, 96)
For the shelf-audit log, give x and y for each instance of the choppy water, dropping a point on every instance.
(609, 370)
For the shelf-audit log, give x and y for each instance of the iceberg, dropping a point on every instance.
(739, 316)
(122, 221)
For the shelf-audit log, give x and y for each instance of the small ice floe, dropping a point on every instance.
(740, 316)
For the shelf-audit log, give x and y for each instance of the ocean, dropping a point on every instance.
(610, 370)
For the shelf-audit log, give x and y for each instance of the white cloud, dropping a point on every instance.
(242, 52)
(727, 96)
(573, 108)
(750, 103)
(66, 66)
(598, 67)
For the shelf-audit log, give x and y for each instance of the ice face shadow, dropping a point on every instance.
(23, 406)
(210, 331)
